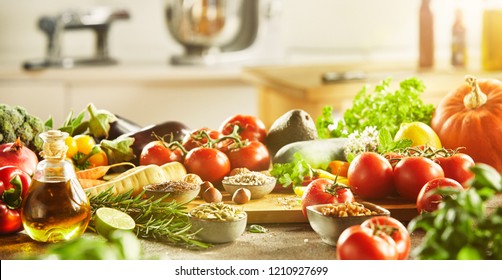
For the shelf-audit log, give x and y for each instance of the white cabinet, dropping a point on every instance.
(196, 98)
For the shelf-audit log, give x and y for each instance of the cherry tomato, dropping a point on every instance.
(323, 191)
(457, 167)
(370, 176)
(72, 146)
(395, 229)
(428, 201)
(157, 152)
(363, 243)
(210, 164)
(85, 143)
(411, 174)
(249, 127)
(253, 155)
(99, 159)
(197, 138)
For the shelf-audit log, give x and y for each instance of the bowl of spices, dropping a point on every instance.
(217, 222)
(330, 220)
(181, 191)
(257, 183)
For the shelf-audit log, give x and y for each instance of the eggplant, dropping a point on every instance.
(144, 136)
(122, 126)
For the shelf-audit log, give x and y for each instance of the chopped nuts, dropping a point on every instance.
(192, 178)
(248, 178)
(347, 209)
(173, 186)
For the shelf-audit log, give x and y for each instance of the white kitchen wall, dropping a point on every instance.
(312, 31)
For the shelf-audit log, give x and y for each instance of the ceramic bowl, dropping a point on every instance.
(182, 195)
(329, 228)
(257, 191)
(217, 231)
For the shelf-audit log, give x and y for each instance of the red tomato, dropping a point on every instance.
(457, 167)
(429, 202)
(157, 152)
(370, 176)
(197, 138)
(395, 229)
(363, 243)
(393, 158)
(323, 191)
(411, 174)
(249, 127)
(253, 155)
(210, 164)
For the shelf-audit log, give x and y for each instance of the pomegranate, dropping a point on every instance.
(16, 154)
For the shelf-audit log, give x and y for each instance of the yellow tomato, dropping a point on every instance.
(72, 146)
(84, 143)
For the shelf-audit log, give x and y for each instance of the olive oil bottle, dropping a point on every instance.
(56, 208)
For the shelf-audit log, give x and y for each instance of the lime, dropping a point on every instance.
(108, 220)
(419, 133)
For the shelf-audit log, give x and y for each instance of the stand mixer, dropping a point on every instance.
(224, 31)
(98, 19)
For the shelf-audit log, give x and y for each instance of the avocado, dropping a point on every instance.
(295, 125)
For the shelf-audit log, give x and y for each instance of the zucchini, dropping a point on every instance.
(318, 153)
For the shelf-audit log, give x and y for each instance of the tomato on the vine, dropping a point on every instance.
(412, 173)
(323, 191)
(157, 152)
(249, 127)
(427, 201)
(457, 167)
(363, 243)
(370, 176)
(253, 155)
(395, 229)
(198, 138)
(210, 164)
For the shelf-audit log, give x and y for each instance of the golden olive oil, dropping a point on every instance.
(491, 40)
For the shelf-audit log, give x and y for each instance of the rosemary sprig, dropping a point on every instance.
(155, 219)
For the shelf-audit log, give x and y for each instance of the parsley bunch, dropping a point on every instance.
(382, 108)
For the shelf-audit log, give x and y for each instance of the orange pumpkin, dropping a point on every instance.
(471, 117)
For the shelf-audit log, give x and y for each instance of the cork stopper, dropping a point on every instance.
(54, 148)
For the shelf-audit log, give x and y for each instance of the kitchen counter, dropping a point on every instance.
(281, 242)
(282, 88)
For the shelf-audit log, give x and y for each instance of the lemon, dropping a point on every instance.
(108, 220)
(419, 133)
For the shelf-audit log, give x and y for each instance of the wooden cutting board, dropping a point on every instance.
(280, 207)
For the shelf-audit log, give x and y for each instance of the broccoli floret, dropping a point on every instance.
(16, 122)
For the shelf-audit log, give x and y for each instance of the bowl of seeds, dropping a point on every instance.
(181, 191)
(217, 222)
(259, 184)
(330, 220)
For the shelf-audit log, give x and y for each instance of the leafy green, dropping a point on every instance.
(463, 227)
(292, 173)
(257, 229)
(382, 108)
(123, 245)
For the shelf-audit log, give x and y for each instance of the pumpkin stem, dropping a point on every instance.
(476, 98)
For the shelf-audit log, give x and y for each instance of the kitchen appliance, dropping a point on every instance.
(98, 20)
(224, 31)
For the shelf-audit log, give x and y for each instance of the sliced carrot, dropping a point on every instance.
(89, 183)
(99, 171)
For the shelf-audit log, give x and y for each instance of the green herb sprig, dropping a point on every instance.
(463, 227)
(164, 221)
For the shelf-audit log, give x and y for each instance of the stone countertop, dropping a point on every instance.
(281, 242)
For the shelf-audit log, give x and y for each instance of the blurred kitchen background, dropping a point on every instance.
(152, 82)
